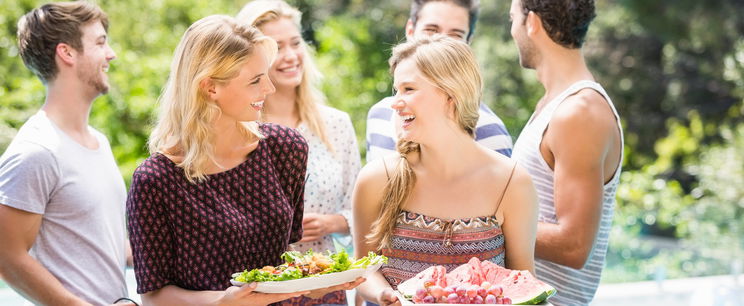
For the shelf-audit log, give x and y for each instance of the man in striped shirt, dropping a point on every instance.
(455, 18)
(572, 147)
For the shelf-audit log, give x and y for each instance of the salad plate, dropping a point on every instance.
(309, 271)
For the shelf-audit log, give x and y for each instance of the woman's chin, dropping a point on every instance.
(288, 82)
(405, 136)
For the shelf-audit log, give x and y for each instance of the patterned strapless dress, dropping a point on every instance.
(421, 241)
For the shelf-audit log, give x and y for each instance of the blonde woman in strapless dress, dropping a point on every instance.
(444, 198)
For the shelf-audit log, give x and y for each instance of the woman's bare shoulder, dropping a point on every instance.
(377, 172)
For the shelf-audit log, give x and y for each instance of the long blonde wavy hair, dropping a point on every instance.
(214, 47)
(450, 65)
(259, 12)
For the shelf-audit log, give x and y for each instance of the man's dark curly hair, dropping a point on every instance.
(565, 21)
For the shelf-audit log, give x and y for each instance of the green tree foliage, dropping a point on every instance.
(143, 45)
(509, 90)
(663, 59)
(20, 92)
(707, 221)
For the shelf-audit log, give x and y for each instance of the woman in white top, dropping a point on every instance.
(333, 158)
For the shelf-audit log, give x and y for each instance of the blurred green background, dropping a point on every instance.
(675, 70)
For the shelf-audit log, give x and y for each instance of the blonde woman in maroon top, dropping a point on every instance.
(220, 193)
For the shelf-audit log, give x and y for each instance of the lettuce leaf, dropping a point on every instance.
(293, 256)
(341, 262)
(254, 275)
(288, 274)
(370, 260)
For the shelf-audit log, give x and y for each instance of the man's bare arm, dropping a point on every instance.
(18, 231)
(581, 136)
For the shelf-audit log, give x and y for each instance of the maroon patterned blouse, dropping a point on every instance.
(195, 236)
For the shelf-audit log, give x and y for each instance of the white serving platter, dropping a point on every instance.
(311, 283)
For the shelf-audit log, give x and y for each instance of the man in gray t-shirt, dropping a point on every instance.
(61, 194)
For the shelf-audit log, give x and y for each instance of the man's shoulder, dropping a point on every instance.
(585, 108)
(38, 130)
(487, 116)
(22, 154)
(29, 173)
(385, 102)
(380, 128)
(35, 142)
(381, 110)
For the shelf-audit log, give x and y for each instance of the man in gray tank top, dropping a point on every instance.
(62, 196)
(571, 146)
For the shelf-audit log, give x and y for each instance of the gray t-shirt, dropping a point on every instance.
(81, 196)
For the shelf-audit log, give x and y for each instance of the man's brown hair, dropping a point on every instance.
(565, 21)
(471, 5)
(42, 29)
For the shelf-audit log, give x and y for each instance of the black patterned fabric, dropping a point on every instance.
(195, 236)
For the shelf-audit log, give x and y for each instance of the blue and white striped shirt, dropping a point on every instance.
(489, 131)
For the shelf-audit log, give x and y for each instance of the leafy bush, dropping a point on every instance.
(707, 222)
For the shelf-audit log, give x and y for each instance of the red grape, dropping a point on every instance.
(453, 298)
(496, 290)
(421, 293)
(436, 291)
(461, 290)
(471, 292)
(429, 299)
(449, 290)
(482, 292)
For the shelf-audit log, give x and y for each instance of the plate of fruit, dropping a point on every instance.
(476, 282)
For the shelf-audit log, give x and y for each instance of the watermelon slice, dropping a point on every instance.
(467, 274)
(494, 273)
(435, 274)
(519, 285)
(525, 289)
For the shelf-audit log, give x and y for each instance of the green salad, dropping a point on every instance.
(298, 265)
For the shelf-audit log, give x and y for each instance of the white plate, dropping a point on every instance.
(311, 283)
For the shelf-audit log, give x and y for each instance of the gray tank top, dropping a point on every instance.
(574, 286)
